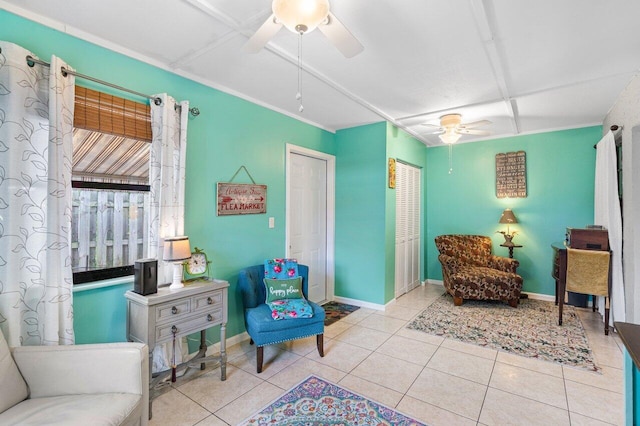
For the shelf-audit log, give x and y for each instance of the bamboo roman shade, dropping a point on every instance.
(111, 139)
(105, 113)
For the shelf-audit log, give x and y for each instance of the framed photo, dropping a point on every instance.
(392, 173)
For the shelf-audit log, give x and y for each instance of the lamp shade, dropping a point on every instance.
(301, 15)
(508, 217)
(176, 249)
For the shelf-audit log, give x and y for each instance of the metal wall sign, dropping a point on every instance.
(240, 198)
(511, 175)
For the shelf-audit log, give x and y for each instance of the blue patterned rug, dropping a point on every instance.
(318, 402)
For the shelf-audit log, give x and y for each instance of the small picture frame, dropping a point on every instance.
(392, 173)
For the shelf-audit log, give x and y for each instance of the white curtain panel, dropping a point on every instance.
(36, 143)
(607, 213)
(167, 180)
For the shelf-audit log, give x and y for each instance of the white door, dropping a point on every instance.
(308, 220)
(408, 242)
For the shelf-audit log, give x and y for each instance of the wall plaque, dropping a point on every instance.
(240, 198)
(511, 175)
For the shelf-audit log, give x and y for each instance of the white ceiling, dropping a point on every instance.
(527, 66)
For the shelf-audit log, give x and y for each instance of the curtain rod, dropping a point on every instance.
(156, 100)
(614, 128)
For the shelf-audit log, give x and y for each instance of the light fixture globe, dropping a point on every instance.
(301, 16)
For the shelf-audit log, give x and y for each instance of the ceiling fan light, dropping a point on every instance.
(301, 15)
(450, 136)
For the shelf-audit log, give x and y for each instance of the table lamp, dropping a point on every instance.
(508, 217)
(176, 250)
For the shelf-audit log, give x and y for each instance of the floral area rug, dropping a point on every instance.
(318, 402)
(334, 311)
(531, 330)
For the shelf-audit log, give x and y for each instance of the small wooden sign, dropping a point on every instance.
(511, 175)
(392, 173)
(241, 198)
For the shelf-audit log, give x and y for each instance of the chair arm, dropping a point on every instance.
(503, 263)
(449, 263)
(85, 369)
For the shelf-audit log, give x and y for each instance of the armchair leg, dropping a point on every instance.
(320, 344)
(259, 358)
(514, 302)
(457, 301)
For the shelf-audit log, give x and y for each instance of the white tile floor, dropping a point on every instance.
(438, 381)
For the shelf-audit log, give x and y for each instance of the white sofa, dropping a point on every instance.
(102, 384)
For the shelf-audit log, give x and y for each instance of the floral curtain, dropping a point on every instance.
(36, 143)
(167, 180)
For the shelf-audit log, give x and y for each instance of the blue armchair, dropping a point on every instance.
(263, 329)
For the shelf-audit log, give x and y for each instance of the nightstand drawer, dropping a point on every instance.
(190, 325)
(173, 311)
(207, 301)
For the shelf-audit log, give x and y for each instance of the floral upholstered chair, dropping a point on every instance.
(470, 271)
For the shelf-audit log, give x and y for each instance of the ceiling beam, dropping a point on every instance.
(485, 25)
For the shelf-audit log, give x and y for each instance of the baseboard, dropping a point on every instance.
(360, 303)
(233, 340)
(540, 296)
(434, 282)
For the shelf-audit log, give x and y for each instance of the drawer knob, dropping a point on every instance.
(209, 317)
(174, 310)
(174, 329)
(209, 301)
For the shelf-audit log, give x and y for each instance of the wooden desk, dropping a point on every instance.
(170, 314)
(559, 273)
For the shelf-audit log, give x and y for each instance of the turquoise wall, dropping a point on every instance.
(560, 185)
(361, 175)
(402, 147)
(365, 209)
(229, 133)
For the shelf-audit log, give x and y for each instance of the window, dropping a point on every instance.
(110, 180)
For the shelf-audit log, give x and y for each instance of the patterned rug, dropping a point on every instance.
(318, 402)
(531, 330)
(334, 311)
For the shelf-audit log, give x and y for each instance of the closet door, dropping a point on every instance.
(408, 243)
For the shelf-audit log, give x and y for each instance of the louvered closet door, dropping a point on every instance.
(407, 275)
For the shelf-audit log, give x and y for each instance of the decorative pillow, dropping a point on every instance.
(280, 268)
(290, 309)
(283, 289)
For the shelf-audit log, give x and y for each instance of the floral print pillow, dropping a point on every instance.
(290, 309)
(280, 268)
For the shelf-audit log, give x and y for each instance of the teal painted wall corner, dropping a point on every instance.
(560, 184)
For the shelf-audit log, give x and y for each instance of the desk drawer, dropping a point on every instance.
(189, 325)
(172, 311)
(207, 301)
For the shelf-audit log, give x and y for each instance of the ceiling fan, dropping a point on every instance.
(301, 17)
(451, 128)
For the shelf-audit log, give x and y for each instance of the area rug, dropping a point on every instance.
(334, 311)
(316, 401)
(531, 330)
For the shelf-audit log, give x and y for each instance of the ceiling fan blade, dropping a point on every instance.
(474, 124)
(465, 131)
(263, 35)
(340, 37)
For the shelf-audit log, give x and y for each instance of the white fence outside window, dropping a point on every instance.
(109, 228)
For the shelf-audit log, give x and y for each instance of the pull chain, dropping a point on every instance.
(299, 94)
(450, 158)
(173, 366)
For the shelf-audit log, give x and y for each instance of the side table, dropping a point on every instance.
(510, 247)
(170, 314)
